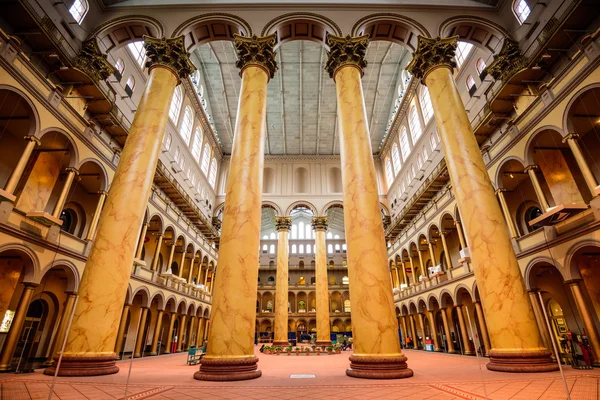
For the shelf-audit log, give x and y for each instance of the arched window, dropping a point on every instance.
(414, 124)
(181, 162)
(462, 52)
(301, 249)
(272, 236)
(404, 144)
(337, 248)
(424, 153)
(345, 280)
(426, 106)
(138, 52)
(167, 140)
(471, 85)
(212, 179)
(308, 249)
(185, 130)
(79, 9)
(205, 159)
(197, 144)
(347, 307)
(120, 67)
(69, 219)
(294, 231)
(301, 230)
(177, 154)
(396, 158)
(308, 231)
(330, 248)
(130, 85)
(265, 236)
(336, 236)
(389, 173)
(480, 65)
(521, 10)
(175, 105)
(419, 161)
(433, 141)
(272, 249)
(329, 235)
(265, 248)
(344, 247)
(294, 249)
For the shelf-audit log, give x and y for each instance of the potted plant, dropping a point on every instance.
(266, 350)
(278, 350)
(338, 349)
(313, 347)
(329, 349)
(288, 350)
(318, 350)
(307, 349)
(297, 350)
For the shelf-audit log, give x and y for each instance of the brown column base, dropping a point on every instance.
(153, 353)
(527, 361)
(223, 369)
(281, 344)
(323, 343)
(379, 368)
(84, 366)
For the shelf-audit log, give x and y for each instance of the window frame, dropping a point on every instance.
(414, 123)
(85, 7)
(138, 53)
(461, 56)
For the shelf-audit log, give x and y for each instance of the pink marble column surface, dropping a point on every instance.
(283, 225)
(516, 342)
(230, 353)
(322, 292)
(376, 344)
(103, 287)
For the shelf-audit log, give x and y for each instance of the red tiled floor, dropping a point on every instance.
(437, 376)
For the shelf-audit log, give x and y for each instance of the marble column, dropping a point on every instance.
(200, 335)
(170, 333)
(588, 320)
(141, 239)
(413, 331)
(92, 229)
(103, 288)
(414, 273)
(157, 252)
(516, 342)
(283, 225)
(431, 253)
(121, 332)
(376, 347)
(436, 342)
(588, 175)
(404, 329)
(17, 172)
(182, 263)
(449, 343)
(230, 353)
(463, 331)
(182, 333)
(10, 343)
(422, 264)
(530, 169)
(62, 198)
(445, 247)
(157, 333)
(397, 277)
(422, 327)
(404, 273)
(506, 212)
(483, 328)
(461, 236)
(59, 337)
(171, 253)
(140, 333)
(322, 292)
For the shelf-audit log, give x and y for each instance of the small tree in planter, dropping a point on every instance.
(329, 349)
(278, 350)
(288, 350)
(307, 351)
(318, 350)
(267, 349)
(297, 350)
(338, 349)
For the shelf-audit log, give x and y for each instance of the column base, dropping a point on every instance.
(526, 361)
(228, 369)
(84, 366)
(378, 368)
(152, 353)
(323, 343)
(281, 343)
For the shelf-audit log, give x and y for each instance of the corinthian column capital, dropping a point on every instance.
(257, 51)
(91, 61)
(432, 54)
(507, 62)
(320, 223)
(345, 51)
(170, 54)
(283, 224)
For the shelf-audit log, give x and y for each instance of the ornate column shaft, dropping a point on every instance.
(422, 264)
(10, 343)
(157, 332)
(413, 331)
(322, 292)
(397, 277)
(62, 326)
(463, 331)
(587, 173)
(140, 243)
(92, 229)
(140, 333)
(170, 333)
(91, 341)
(447, 332)
(62, 198)
(376, 346)
(121, 332)
(436, 342)
(157, 252)
(283, 225)
(461, 236)
(171, 253)
(530, 169)
(506, 212)
(182, 333)
(588, 320)
(17, 173)
(230, 353)
(182, 263)
(516, 342)
(445, 247)
(404, 273)
(422, 327)
(200, 335)
(412, 269)
(482, 327)
(431, 253)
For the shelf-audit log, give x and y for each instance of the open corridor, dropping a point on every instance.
(437, 376)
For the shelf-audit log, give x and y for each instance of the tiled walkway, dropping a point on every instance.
(437, 376)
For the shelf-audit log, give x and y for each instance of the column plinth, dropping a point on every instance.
(283, 225)
(516, 342)
(376, 346)
(230, 354)
(103, 288)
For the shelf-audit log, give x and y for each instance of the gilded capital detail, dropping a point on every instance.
(344, 51)
(258, 51)
(320, 223)
(507, 62)
(283, 224)
(431, 54)
(168, 53)
(91, 61)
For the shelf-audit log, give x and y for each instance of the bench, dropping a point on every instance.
(194, 356)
